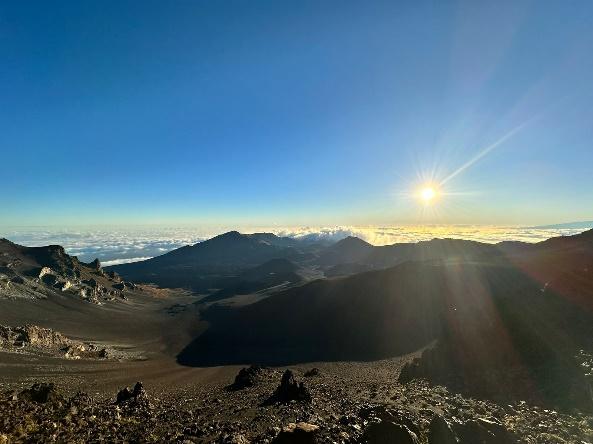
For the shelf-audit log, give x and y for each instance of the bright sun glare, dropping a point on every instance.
(427, 194)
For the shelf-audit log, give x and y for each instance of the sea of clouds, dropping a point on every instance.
(113, 245)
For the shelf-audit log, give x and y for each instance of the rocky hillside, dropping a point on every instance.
(36, 272)
(35, 340)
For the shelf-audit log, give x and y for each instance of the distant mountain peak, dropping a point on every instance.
(353, 240)
(586, 224)
(229, 235)
(350, 243)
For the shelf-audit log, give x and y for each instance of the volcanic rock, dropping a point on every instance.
(17, 280)
(313, 372)
(388, 432)
(63, 286)
(31, 335)
(96, 264)
(440, 432)
(44, 271)
(136, 397)
(297, 433)
(483, 431)
(113, 276)
(291, 390)
(92, 282)
(247, 377)
(41, 393)
(235, 439)
(49, 279)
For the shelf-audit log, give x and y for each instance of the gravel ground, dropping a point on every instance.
(200, 405)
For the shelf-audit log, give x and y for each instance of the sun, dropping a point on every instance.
(428, 194)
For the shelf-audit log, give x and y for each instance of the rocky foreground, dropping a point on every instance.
(333, 403)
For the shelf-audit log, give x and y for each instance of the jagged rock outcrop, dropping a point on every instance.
(38, 340)
(31, 335)
(38, 272)
(96, 265)
(134, 398)
(247, 377)
(291, 390)
(43, 271)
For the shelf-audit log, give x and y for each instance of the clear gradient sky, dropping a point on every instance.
(295, 112)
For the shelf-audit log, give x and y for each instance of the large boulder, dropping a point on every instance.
(313, 372)
(247, 377)
(126, 394)
(440, 432)
(135, 398)
(291, 390)
(297, 433)
(378, 413)
(41, 393)
(483, 431)
(387, 432)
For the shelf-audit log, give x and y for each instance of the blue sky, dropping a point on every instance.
(295, 112)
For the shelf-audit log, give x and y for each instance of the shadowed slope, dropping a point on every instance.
(360, 317)
(500, 324)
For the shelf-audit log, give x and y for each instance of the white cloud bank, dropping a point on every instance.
(400, 234)
(123, 245)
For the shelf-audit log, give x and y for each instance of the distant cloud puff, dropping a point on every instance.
(123, 245)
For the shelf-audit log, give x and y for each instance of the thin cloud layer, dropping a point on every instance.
(132, 244)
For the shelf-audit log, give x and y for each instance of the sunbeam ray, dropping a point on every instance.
(486, 150)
